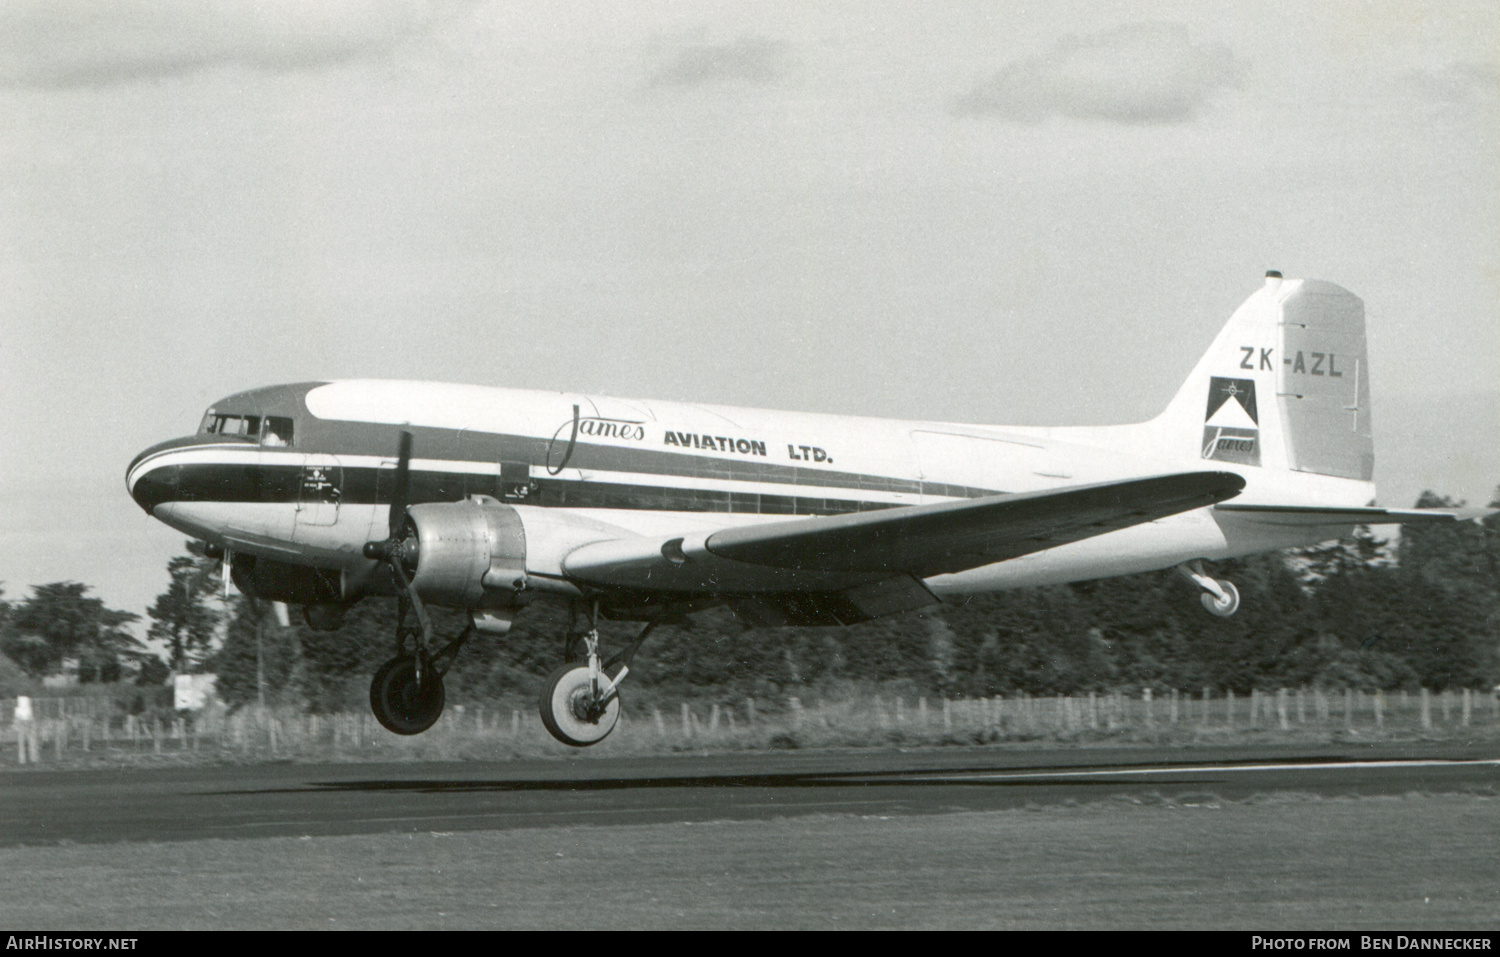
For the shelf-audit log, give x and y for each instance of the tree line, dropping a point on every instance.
(1361, 613)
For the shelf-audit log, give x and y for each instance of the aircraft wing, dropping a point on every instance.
(913, 542)
(1304, 515)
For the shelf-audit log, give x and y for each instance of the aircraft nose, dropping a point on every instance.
(151, 482)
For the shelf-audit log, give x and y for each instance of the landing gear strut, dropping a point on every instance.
(580, 702)
(1219, 597)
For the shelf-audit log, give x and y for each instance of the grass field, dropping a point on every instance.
(1278, 862)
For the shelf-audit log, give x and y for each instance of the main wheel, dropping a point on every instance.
(569, 712)
(399, 704)
(1226, 607)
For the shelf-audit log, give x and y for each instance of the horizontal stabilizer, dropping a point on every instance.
(1304, 515)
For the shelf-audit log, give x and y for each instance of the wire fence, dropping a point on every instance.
(81, 728)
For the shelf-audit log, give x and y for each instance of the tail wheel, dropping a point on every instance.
(399, 703)
(1222, 607)
(570, 711)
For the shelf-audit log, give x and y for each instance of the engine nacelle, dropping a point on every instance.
(470, 554)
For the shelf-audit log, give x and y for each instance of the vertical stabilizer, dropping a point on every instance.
(1285, 385)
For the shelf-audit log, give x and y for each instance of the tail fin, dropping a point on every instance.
(1285, 385)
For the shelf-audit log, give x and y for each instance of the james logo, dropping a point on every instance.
(591, 425)
(1231, 426)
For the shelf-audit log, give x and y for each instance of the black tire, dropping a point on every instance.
(562, 712)
(399, 705)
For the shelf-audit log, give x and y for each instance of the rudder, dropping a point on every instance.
(1285, 385)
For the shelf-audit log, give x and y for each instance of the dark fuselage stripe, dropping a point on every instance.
(355, 485)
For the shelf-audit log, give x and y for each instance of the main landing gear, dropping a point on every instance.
(406, 693)
(1219, 597)
(580, 703)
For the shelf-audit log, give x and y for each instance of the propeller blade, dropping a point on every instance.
(416, 601)
(400, 490)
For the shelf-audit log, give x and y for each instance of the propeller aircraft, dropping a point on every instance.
(322, 494)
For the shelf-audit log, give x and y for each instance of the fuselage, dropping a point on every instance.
(302, 474)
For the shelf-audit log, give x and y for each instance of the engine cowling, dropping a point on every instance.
(469, 554)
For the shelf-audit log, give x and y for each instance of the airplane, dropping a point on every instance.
(481, 499)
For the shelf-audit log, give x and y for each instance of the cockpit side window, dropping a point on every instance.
(277, 431)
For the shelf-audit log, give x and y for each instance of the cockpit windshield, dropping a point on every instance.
(272, 430)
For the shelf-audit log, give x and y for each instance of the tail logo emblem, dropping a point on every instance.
(1231, 426)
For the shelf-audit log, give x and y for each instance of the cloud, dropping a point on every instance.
(1457, 89)
(75, 43)
(753, 60)
(1137, 73)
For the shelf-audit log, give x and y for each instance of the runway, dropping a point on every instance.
(184, 804)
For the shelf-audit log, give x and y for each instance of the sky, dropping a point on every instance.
(1009, 213)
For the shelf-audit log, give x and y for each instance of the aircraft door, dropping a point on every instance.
(320, 490)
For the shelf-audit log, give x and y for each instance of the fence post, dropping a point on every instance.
(713, 718)
(658, 723)
(1443, 701)
(1348, 709)
(1281, 709)
(1467, 697)
(1426, 710)
(23, 721)
(922, 712)
(750, 713)
(1379, 711)
(947, 714)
